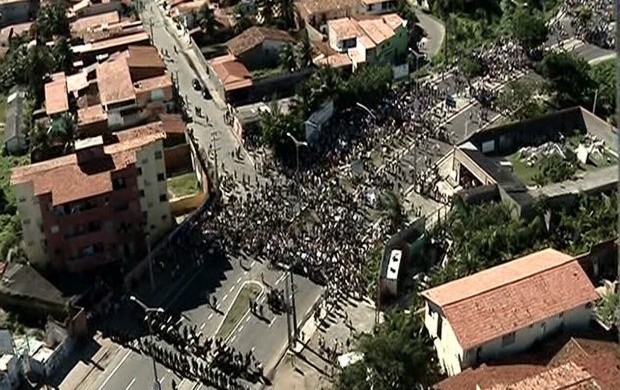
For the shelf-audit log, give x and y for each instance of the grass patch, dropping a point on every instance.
(522, 170)
(238, 309)
(606, 308)
(183, 185)
(267, 72)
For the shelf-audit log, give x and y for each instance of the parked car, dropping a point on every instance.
(196, 85)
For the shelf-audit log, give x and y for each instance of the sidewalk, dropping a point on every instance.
(86, 372)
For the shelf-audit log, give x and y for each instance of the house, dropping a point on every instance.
(96, 206)
(185, 12)
(88, 53)
(14, 137)
(231, 78)
(372, 40)
(94, 21)
(317, 12)
(565, 362)
(14, 11)
(376, 7)
(144, 62)
(505, 309)
(259, 47)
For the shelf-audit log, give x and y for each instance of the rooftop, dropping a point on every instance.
(232, 74)
(172, 123)
(511, 296)
(112, 43)
(13, 30)
(565, 377)
(153, 83)
(56, 95)
(87, 22)
(144, 57)
(91, 114)
(371, 31)
(68, 181)
(255, 36)
(114, 82)
(311, 7)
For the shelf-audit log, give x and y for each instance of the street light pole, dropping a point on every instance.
(297, 145)
(147, 310)
(294, 307)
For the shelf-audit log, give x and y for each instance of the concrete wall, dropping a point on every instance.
(185, 204)
(31, 221)
(511, 137)
(449, 351)
(263, 56)
(177, 159)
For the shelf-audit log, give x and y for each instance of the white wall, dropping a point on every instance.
(158, 219)
(453, 359)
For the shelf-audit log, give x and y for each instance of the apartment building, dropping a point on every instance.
(96, 206)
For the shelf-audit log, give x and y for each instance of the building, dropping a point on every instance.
(372, 40)
(317, 12)
(185, 12)
(14, 11)
(144, 62)
(376, 7)
(259, 47)
(562, 363)
(56, 95)
(91, 22)
(96, 206)
(90, 52)
(505, 309)
(231, 78)
(14, 137)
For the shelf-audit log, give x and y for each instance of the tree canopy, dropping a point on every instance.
(604, 76)
(529, 28)
(568, 79)
(399, 355)
(52, 21)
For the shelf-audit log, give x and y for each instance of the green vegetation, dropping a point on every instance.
(397, 356)
(183, 185)
(238, 309)
(604, 76)
(267, 72)
(2, 108)
(392, 209)
(487, 235)
(522, 99)
(367, 86)
(10, 227)
(554, 169)
(528, 27)
(568, 79)
(370, 270)
(606, 309)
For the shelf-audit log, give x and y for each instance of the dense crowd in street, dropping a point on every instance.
(590, 20)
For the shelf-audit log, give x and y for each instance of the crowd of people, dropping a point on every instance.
(591, 20)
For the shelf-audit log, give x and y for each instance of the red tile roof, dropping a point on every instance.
(511, 296)
(150, 84)
(56, 95)
(114, 82)
(67, 181)
(255, 36)
(568, 376)
(87, 22)
(144, 57)
(172, 123)
(231, 73)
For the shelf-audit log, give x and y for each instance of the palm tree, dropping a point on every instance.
(266, 10)
(64, 131)
(206, 19)
(63, 55)
(287, 57)
(303, 52)
(38, 64)
(52, 20)
(287, 13)
(391, 207)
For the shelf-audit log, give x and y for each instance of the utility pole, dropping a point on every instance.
(595, 99)
(288, 314)
(293, 306)
(147, 311)
(214, 140)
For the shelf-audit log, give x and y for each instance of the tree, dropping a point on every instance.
(391, 208)
(63, 55)
(205, 18)
(63, 130)
(286, 13)
(529, 28)
(520, 99)
(400, 355)
(604, 78)
(274, 126)
(39, 63)
(303, 52)
(568, 77)
(266, 8)
(287, 57)
(471, 66)
(52, 21)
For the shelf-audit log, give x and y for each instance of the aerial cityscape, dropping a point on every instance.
(309, 194)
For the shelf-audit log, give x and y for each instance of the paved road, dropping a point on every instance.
(435, 33)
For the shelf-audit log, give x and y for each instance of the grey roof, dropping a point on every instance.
(24, 281)
(14, 121)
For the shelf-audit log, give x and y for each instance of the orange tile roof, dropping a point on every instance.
(337, 60)
(255, 36)
(67, 181)
(231, 73)
(313, 7)
(568, 376)
(144, 57)
(172, 123)
(344, 28)
(87, 22)
(91, 114)
(511, 296)
(376, 29)
(119, 41)
(153, 83)
(114, 82)
(56, 95)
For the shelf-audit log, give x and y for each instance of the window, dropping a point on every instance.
(164, 217)
(119, 183)
(158, 155)
(439, 326)
(161, 177)
(54, 229)
(141, 193)
(508, 339)
(561, 315)
(144, 215)
(163, 198)
(140, 171)
(145, 161)
(369, 7)
(153, 227)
